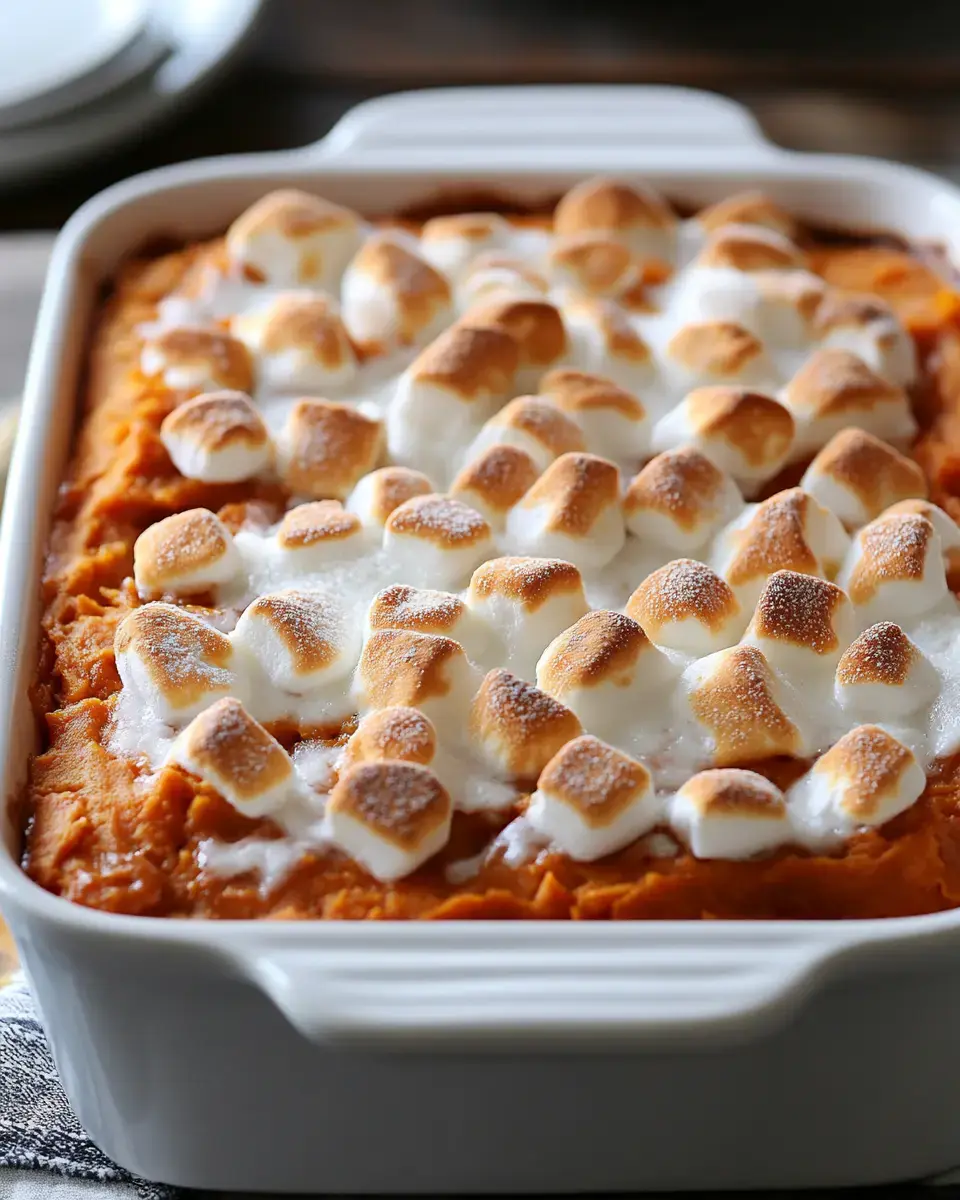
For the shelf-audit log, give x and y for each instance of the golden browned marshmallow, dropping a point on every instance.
(592, 800)
(747, 434)
(533, 424)
(834, 389)
(687, 607)
(535, 325)
(301, 342)
(325, 448)
(389, 816)
(392, 296)
(802, 624)
(525, 603)
(883, 675)
(790, 531)
(173, 663)
(184, 554)
(594, 263)
(748, 208)
(392, 735)
(572, 512)
(379, 492)
(422, 610)
(311, 535)
(869, 328)
(290, 237)
(895, 567)
(733, 696)
(730, 813)
(789, 301)
(237, 757)
(517, 727)
(720, 351)
(218, 437)
(605, 341)
(613, 421)
(749, 248)
(630, 213)
(491, 275)
(858, 476)
(192, 359)
(495, 481)
(680, 499)
(436, 540)
(864, 779)
(452, 243)
(942, 522)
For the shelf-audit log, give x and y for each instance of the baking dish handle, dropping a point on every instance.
(543, 121)
(399, 989)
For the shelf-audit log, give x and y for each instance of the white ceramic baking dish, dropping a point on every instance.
(473, 1057)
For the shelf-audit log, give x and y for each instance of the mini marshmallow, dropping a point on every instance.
(391, 735)
(834, 389)
(942, 522)
(325, 448)
(614, 423)
(858, 476)
(629, 213)
(748, 208)
(301, 343)
(526, 602)
(534, 425)
(185, 554)
(289, 238)
(680, 499)
(734, 697)
(516, 727)
(596, 264)
(174, 663)
(864, 780)
(495, 481)
(452, 243)
(704, 352)
(534, 324)
(883, 675)
(572, 512)
(749, 248)
(498, 276)
(802, 624)
(302, 639)
(238, 758)
(606, 671)
(868, 328)
(895, 568)
(605, 341)
(217, 438)
(448, 391)
(379, 492)
(312, 535)
(390, 295)
(730, 813)
(685, 606)
(436, 539)
(389, 816)
(192, 359)
(779, 307)
(592, 800)
(747, 434)
(790, 531)
(423, 610)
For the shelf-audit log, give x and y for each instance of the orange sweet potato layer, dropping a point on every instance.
(99, 834)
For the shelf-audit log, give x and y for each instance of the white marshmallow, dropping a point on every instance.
(301, 343)
(730, 813)
(424, 610)
(895, 568)
(680, 499)
(629, 213)
(604, 340)
(802, 624)
(452, 243)
(326, 447)
(391, 296)
(312, 535)
(379, 492)
(495, 481)
(614, 423)
(883, 675)
(532, 424)
(436, 540)
(858, 476)
(195, 359)
(536, 327)
(716, 352)
(596, 264)
(217, 438)
(751, 207)
(685, 606)
(869, 328)
(185, 554)
(516, 727)
(498, 276)
(749, 248)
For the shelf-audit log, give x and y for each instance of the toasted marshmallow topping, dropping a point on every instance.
(895, 567)
(749, 248)
(883, 675)
(184, 554)
(498, 276)
(858, 476)
(302, 639)
(391, 295)
(748, 208)
(613, 422)
(730, 813)
(572, 512)
(301, 342)
(942, 522)
(380, 492)
(628, 213)
(532, 424)
(516, 727)
(535, 325)
(173, 662)
(834, 389)
(864, 780)
(685, 606)
(437, 538)
(290, 238)
(495, 481)
(596, 264)
(217, 438)
(325, 448)
(422, 610)
(392, 735)
(312, 535)
(787, 307)
(606, 342)
(592, 800)
(717, 351)
(238, 758)
(192, 359)
(526, 602)
(453, 243)
(680, 499)
(747, 434)
(416, 670)
(868, 328)
(733, 696)
(389, 816)
(802, 624)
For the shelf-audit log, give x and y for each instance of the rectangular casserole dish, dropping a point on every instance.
(475, 1057)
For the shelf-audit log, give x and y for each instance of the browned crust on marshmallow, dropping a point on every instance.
(602, 647)
(543, 422)
(535, 325)
(682, 484)
(319, 521)
(420, 290)
(185, 657)
(293, 214)
(681, 590)
(524, 725)
(575, 391)
(306, 623)
(599, 264)
(842, 310)
(832, 382)
(331, 446)
(576, 488)
(179, 544)
(800, 610)
(881, 654)
(871, 762)
(395, 486)
(309, 322)
(610, 205)
(401, 802)
(472, 362)
(228, 359)
(774, 539)
(392, 734)
(877, 474)
(225, 742)
(499, 477)
(468, 227)
(598, 782)
(733, 792)
(749, 248)
(417, 609)
(714, 347)
(748, 208)
(441, 520)
(217, 421)
(402, 667)
(757, 425)
(620, 339)
(894, 547)
(529, 581)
